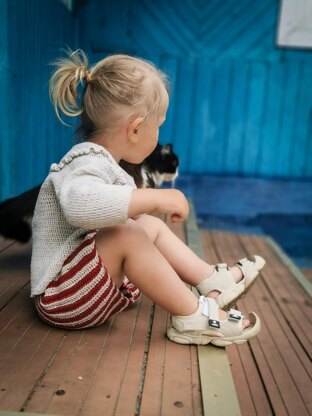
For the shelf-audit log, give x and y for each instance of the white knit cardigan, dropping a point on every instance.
(86, 190)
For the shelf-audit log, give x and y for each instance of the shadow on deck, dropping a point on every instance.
(128, 367)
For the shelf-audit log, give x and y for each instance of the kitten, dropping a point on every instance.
(16, 213)
(159, 167)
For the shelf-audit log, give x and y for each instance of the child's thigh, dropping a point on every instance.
(115, 244)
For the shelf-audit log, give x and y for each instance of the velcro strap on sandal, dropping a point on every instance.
(250, 259)
(211, 310)
(221, 266)
(235, 315)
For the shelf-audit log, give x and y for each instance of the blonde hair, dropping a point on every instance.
(111, 91)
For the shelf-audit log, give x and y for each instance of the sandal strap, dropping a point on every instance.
(211, 311)
(221, 266)
(235, 315)
(220, 280)
(243, 261)
(206, 320)
(231, 326)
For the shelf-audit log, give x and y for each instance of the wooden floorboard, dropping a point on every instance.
(128, 367)
(272, 373)
(125, 367)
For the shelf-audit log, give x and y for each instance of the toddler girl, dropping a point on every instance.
(95, 248)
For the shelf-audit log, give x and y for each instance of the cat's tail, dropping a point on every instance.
(15, 214)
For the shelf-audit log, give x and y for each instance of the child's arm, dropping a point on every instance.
(165, 201)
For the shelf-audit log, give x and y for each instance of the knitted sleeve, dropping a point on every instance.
(89, 199)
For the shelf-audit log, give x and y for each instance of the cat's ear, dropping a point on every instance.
(166, 149)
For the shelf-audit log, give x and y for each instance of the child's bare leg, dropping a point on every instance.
(185, 262)
(127, 250)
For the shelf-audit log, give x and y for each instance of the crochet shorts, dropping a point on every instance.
(84, 295)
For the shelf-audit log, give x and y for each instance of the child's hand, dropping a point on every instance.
(173, 203)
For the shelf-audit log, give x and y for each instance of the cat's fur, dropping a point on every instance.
(160, 166)
(16, 213)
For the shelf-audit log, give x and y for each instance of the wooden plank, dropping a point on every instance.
(153, 383)
(289, 296)
(99, 390)
(280, 350)
(300, 277)
(5, 413)
(232, 247)
(172, 384)
(218, 390)
(177, 392)
(246, 375)
(134, 371)
(24, 364)
(15, 268)
(292, 335)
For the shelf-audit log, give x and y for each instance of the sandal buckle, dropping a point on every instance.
(214, 323)
(234, 315)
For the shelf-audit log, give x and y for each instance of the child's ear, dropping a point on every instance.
(133, 128)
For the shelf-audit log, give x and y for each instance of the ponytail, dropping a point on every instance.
(70, 73)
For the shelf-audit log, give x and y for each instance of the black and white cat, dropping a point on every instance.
(16, 213)
(159, 167)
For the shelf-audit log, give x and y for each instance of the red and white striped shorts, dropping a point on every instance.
(84, 295)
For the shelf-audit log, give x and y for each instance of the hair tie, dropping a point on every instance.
(88, 77)
(82, 73)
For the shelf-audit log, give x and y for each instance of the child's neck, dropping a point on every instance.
(111, 143)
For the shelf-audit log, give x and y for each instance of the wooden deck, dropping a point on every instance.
(128, 367)
(272, 373)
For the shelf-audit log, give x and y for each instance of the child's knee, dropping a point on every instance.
(151, 222)
(124, 235)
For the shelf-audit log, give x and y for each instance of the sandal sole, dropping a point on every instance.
(197, 339)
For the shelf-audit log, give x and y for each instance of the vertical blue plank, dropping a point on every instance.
(237, 114)
(274, 95)
(308, 153)
(183, 123)
(169, 66)
(254, 118)
(287, 132)
(303, 110)
(203, 129)
(219, 106)
(5, 156)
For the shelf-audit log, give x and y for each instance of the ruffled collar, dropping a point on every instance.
(81, 149)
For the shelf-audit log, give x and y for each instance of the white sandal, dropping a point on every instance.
(205, 327)
(223, 281)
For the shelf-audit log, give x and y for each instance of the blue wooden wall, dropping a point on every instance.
(32, 33)
(239, 105)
